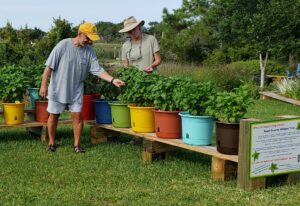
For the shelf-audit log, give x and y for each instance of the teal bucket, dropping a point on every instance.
(120, 114)
(34, 95)
(196, 130)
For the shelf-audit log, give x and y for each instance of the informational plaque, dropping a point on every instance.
(274, 147)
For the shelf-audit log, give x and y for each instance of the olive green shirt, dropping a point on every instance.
(140, 54)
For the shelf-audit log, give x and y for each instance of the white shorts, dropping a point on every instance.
(58, 108)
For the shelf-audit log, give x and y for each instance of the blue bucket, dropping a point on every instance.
(102, 111)
(34, 95)
(196, 130)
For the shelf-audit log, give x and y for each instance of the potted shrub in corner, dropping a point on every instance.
(13, 84)
(167, 120)
(197, 126)
(228, 108)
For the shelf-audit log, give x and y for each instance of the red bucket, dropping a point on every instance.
(88, 107)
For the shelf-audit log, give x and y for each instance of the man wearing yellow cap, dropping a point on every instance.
(68, 65)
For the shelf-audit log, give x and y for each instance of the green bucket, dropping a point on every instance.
(120, 115)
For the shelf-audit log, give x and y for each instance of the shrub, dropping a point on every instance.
(230, 106)
(252, 67)
(13, 83)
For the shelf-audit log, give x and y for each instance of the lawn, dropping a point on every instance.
(113, 173)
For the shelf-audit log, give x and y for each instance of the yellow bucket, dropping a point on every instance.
(142, 119)
(13, 113)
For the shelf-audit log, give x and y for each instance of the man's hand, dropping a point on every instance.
(148, 70)
(43, 92)
(118, 82)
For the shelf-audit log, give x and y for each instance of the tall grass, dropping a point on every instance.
(225, 77)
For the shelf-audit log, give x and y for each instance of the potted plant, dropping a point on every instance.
(138, 91)
(13, 84)
(197, 126)
(167, 120)
(34, 75)
(102, 108)
(228, 108)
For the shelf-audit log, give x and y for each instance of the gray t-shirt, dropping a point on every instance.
(70, 66)
(140, 54)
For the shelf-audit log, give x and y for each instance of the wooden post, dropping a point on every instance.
(243, 180)
(223, 169)
(293, 178)
(100, 135)
(33, 130)
(44, 135)
(153, 150)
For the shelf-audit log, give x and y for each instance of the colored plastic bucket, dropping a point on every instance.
(102, 111)
(13, 113)
(196, 130)
(34, 95)
(41, 114)
(167, 124)
(142, 119)
(120, 114)
(88, 106)
(227, 137)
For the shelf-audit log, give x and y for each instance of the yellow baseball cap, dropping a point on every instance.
(90, 30)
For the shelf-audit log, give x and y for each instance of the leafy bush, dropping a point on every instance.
(230, 106)
(106, 89)
(223, 77)
(218, 56)
(13, 83)
(34, 73)
(193, 97)
(92, 84)
(138, 86)
(165, 93)
(252, 67)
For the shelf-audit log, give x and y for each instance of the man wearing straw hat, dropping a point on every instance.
(140, 50)
(68, 65)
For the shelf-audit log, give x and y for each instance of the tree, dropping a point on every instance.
(269, 26)
(184, 36)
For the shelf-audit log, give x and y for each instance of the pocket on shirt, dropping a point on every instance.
(84, 68)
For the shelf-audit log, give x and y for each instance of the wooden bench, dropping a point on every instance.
(273, 95)
(44, 130)
(223, 167)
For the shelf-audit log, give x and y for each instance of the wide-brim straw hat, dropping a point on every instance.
(130, 23)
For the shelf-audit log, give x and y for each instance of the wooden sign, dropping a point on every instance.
(274, 147)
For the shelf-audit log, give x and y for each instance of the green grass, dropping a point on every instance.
(271, 109)
(113, 173)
